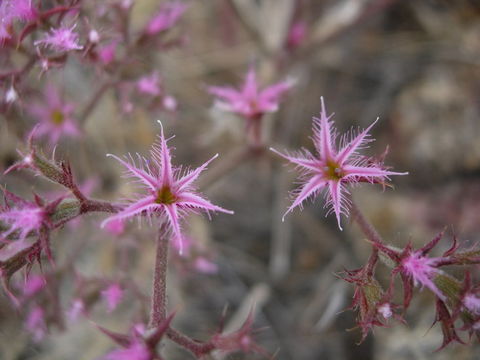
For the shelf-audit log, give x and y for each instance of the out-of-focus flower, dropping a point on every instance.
(93, 36)
(169, 194)
(250, 101)
(472, 303)
(77, 309)
(192, 257)
(112, 295)
(169, 103)
(167, 17)
(61, 39)
(33, 285)
(115, 227)
(333, 168)
(150, 84)
(106, 53)
(35, 323)
(296, 34)
(55, 117)
(11, 10)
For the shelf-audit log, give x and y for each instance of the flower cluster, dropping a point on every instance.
(106, 47)
(416, 268)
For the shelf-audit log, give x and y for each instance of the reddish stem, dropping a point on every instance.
(158, 310)
(367, 228)
(195, 347)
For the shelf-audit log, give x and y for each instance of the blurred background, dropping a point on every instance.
(414, 64)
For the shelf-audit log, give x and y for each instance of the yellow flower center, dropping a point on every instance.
(332, 170)
(165, 196)
(57, 117)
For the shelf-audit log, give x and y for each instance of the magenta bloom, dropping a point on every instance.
(11, 10)
(149, 85)
(112, 295)
(107, 53)
(33, 285)
(35, 323)
(166, 18)
(61, 39)
(250, 101)
(333, 168)
(168, 193)
(55, 116)
(22, 217)
(422, 270)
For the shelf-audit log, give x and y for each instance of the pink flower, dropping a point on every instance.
(332, 169)
(11, 10)
(166, 18)
(35, 323)
(77, 309)
(472, 303)
(169, 103)
(33, 285)
(107, 53)
(194, 257)
(22, 216)
(205, 266)
(61, 39)
(297, 34)
(422, 270)
(54, 116)
(112, 295)
(416, 268)
(250, 101)
(168, 193)
(149, 85)
(116, 227)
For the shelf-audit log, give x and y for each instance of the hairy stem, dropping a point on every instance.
(367, 228)
(158, 309)
(195, 347)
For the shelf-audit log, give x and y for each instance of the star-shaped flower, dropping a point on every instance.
(55, 116)
(250, 101)
(332, 169)
(168, 193)
(61, 39)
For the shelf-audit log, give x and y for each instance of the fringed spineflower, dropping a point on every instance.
(332, 169)
(249, 101)
(11, 10)
(169, 194)
(169, 14)
(54, 116)
(61, 39)
(418, 269)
